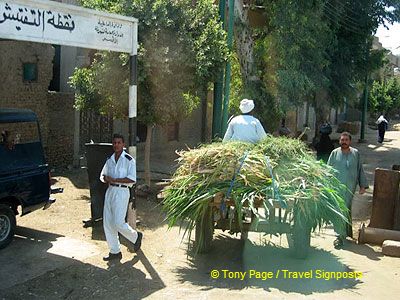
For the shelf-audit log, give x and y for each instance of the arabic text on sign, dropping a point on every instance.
(37, 18)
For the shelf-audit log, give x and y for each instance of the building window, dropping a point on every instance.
(30, 71)
(173, 131)
(55, 81)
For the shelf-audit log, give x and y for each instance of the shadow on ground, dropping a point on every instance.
(363, 249)
(149, 215)
(30, 271)
(78, 177)
(238, 256)
(27, 256)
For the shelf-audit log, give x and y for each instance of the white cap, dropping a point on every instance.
(246, 105)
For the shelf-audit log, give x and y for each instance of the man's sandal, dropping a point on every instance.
(338, 243)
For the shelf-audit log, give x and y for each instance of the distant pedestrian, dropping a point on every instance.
(325, 145)
(119, 172)
(382, 127)
(347, 162)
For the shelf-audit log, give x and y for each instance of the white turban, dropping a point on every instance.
(246, 105)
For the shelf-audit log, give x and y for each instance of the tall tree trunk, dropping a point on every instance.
(203, 97)
(322, 107)
(147, 152)
(244, 42)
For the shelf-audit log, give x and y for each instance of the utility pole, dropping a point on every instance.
(364, 110)
(365, 99)
(218, 86)
(228, 67)
(133, 75)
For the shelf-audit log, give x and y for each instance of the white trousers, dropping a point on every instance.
(115, 207)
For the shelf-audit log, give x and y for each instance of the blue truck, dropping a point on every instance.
(25, 180)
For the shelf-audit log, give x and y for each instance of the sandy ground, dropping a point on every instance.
(54, 257)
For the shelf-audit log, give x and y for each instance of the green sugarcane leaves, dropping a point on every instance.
(309, 185)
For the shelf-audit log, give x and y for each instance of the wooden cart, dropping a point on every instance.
(279, 221)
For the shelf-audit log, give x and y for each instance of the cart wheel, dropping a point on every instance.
(299, 240)
(204, 232)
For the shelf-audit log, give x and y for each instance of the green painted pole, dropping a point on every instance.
(218, 86)
(365, 102)
(225, 111)
(364, 110)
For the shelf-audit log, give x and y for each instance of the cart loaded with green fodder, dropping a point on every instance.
(274, 187)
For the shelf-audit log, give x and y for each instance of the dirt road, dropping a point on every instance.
(54, 257)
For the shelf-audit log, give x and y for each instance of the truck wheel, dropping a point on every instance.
(204, 232)
(7, 225)
(299, 240)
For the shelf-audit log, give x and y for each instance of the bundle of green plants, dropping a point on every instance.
(276, 169)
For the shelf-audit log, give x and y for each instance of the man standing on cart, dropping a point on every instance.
(245, 127)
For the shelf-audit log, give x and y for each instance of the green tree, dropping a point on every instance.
(299, 38)
(322, 47)
(394, 93)
(181, 48)
(384, 97)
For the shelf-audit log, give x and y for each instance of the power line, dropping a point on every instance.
(349, 19)
(343, 25)
(346, 7)
(335, 17)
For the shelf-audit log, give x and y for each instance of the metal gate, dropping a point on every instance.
(94, 127)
